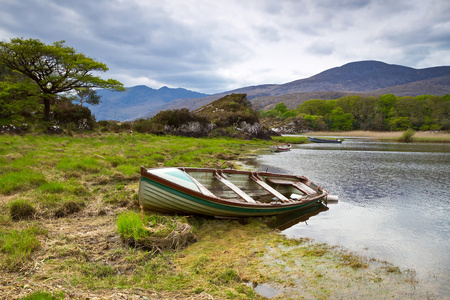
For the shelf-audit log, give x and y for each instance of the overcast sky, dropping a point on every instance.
(213, 46)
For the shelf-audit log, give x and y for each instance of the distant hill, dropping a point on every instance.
(362, 78)
(136, 101)
(368, 78)
(434, 86)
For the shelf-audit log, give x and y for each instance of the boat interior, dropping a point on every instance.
(251, 187)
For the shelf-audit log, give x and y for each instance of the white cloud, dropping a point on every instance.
(215, 46)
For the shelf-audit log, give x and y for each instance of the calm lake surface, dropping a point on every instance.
(394, 201)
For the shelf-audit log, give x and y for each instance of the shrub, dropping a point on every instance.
(407, 136)
(66, 112)
(178, 117)
(144, 126)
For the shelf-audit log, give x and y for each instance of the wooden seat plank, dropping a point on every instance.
(297, 184)
(219, 176)
(268, 188)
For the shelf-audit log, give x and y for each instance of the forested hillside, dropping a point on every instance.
(380, 113)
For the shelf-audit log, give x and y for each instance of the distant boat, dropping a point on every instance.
(318, 140)
(280, 148)
(226, 193)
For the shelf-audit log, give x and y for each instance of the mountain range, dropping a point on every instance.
(136, 102)
(367, 78)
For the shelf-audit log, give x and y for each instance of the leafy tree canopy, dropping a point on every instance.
(385, 112)
(55, 68)
(88, 95)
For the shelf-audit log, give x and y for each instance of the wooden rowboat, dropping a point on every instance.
(318, 140)
(280, 148)
(226, 193)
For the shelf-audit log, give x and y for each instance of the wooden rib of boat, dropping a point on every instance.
(280, 148)
(226, 193)
(319, 140)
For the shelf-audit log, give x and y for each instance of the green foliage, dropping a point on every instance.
(407, 136)
(54, 68)
(315, 107)
(281, 108)
(177, 117)
(146, 126)
(399, 123)
(387, 112)
(314, 122)
(88, 95)
(66, 112)
(18, 100)
(340, 121)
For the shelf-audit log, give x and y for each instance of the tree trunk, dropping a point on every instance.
(46, 109)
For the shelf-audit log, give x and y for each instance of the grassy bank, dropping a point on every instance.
(419, 136)
(63, 202)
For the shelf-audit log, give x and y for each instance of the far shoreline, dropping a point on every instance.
(419, 136)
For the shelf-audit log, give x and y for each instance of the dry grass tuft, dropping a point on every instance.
(21, 210)
(422, 136)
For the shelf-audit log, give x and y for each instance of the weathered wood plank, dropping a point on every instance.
(233, 187)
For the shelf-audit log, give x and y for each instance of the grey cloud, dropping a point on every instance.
(320, 49)
(140, 38)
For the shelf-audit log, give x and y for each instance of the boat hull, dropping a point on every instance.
(329, 141)
(280, 148)
(162, 195)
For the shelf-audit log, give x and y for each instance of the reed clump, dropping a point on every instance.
(155, 232)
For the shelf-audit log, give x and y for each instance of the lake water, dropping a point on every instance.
(394, 201)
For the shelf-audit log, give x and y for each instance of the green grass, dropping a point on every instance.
(20, 181)
(18, 246)
(290, 139)
(52, 187)
(80, 184)
(131, 224)
(44, 296)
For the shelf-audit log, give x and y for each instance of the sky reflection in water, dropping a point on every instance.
(394, 201)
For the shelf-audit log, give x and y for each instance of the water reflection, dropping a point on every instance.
(285, 221)
(394, 200)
